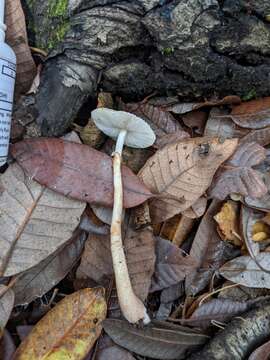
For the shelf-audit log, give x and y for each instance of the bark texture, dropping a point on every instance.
(193, 48)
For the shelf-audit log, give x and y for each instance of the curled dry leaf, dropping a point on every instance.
(261, 353)
(238, 175)
(261, 137)
(248, 220)
(6, 306)
(38, 280)
(160, 120)
(171, 266)
(159, 340)
(216, 309)
(254, 114)
(197, 209)
(228, 222)
(262, 203)
(208, 249)
(139, 246)
(34, 221)
(196, 121)
(16, 37)
(181, 173)
(69, 330)
(176, 229)
(77, 171)
(244, 270)
(220, 125)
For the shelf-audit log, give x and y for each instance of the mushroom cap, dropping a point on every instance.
(112, 122)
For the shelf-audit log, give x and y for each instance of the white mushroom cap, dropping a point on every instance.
(112, 122)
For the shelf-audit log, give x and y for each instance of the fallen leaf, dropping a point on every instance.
(254, 114)
(228, 222)
(176, 229)
(197, 209)
(159, 340)
(181, 173)
(261, 353)
(243, 270)
(108, 350)
(248, 219)
(91, 135)
(160, 120)
(260, 136)
(164, 311)
(208, 250)
(238, 175)
(69, 330)
(23, 331)
(171, 138)
(196, 121)
(96, 262)
(220, 125)
(77, 171)
(34, 221)
(262, 203)
(6, 306)
(171, 266)
(172, 293)
(221, 310)
(182, 108)
(7, 346)
(38, 280)
(16, 37)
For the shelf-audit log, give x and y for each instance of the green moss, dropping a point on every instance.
(167, 51)
(58, 8)
(58, 34)
(250, 95)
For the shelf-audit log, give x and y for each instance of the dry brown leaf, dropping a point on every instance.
(7, 346)
(139, 246)
(197, 209)
(237, 175)
(254, 114)
(16, 37)
(176, 229)
(69, 330)
(171, 265)
(171, 138)
(261, 353)
(220, 125)
(6, 306)
(181, 173)
(261, 137)
(196, 121)
(34, 221)
(262, 203)
(228, 222)
(38, 280)
(208, 249)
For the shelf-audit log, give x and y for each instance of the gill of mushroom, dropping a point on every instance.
(131, 130)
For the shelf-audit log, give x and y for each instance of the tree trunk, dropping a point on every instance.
(193, 48)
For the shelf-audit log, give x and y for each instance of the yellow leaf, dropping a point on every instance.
(260, 231)
(227, 220)
(68, 331)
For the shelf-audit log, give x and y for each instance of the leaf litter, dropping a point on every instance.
(198, 228)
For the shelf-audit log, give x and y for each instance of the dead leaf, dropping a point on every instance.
(260, 136)
(238, 175)
(243, 270)
(208, 250)
(91, 135)
(7, 346)
(261, 353)
(171, 138)
(220, 125)
(176, 229)
(196, 121)
(248, 219)
(108, 350)
(262, 203)
(228, 222)
(37, 281)
(34, 221)
(171, 265)
(69, 330)
(16, 37)
(6, 306)
(160, 340)
(182, 108)
(197, 209)
(216, 309)
(254, 114)
(181, 173)
(160, 120)
(96, 262)
(105, 99)
(77, 171)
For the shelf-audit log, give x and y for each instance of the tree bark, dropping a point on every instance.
(193, 48)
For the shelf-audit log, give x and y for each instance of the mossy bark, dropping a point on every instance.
(193, 48)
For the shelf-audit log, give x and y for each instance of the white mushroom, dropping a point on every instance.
(127, 129)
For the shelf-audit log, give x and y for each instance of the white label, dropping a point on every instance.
(7, 82)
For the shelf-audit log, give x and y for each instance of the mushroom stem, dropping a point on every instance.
(131, 306)
(120, 142)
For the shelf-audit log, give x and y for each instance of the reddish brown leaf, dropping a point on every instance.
(239, 177)
(17, 38)
(261, 353)
(196, 121)
(77, 171)
(171, 265)
(181, 173)
(254, 114)
(208, 249)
